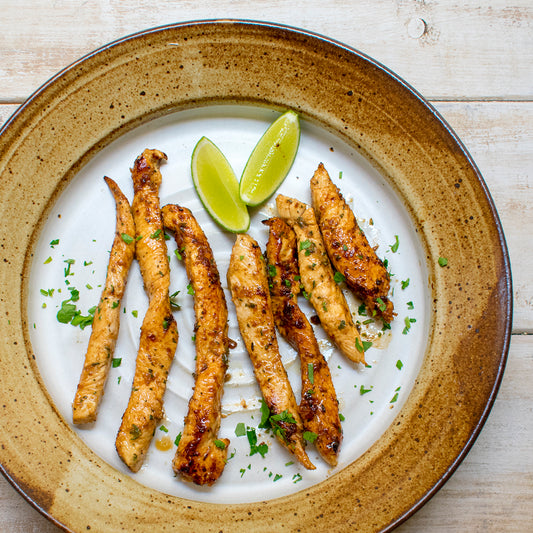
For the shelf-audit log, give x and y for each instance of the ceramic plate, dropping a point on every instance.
(410, 417)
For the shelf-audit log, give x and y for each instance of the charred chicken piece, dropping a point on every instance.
(318, 279)
(247, 280)
(319, 407)
(348, 247)
(159, 333)
(201, 456)
(106, 320)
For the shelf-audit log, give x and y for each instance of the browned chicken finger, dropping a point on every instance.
(247, 280)
(107, 317)
(348, 247)
(159, 334)
(317, 278)
(319, 407)
(201, 456)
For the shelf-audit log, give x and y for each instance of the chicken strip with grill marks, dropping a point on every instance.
(317, 278)
(319, 407)
(159, 333)
(247, 280)
(107, 317)
(201, 456)
(348, 247)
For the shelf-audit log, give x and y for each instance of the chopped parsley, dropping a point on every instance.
(381, 304)
(67, 312)
(310, 373)
(308, 246)
(135, 432)
(66, 270)
(116, 361)
(220, 444)
(362, 347)
(395, 397)
(177, 439)
(190, 289)
(173, 303)
(338, 277)
(48, 260)
(53, 243)
(262, 448)
(272, 271)
(240, 430)
(277, 420)
(163, 428)
(443, 261)
(405, 283)
(310, 436)
(399, 364)
(265, 416)
(128, 239)
(363, 391)
(394, 247)
(408, 321)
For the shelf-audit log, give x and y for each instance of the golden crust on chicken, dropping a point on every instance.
(318, 279)
(201, 456)
(319, 407)
(159, 334)
(348, 247)
(247, 280)
(106, 320)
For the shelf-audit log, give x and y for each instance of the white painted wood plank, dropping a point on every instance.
(498, 136)
(447, 50)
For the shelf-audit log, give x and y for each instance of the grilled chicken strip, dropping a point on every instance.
(319, 407)
(247, 280)
(159, 334)
(201, 456)
(317, 278)
(348, 247)
(107, 317)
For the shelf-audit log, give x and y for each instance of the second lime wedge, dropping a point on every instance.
(218, 187)
(271, 159)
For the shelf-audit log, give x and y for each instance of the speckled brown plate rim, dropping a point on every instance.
(369, 107)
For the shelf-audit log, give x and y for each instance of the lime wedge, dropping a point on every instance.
(271, 159)
(218, 187)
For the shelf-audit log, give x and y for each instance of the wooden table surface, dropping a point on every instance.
(474, 61)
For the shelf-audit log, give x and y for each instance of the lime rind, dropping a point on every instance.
(271, 160)
(217, 187)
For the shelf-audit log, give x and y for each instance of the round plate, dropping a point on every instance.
(161, 71)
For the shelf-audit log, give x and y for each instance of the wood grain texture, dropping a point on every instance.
(473, 60)
(464, 41)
